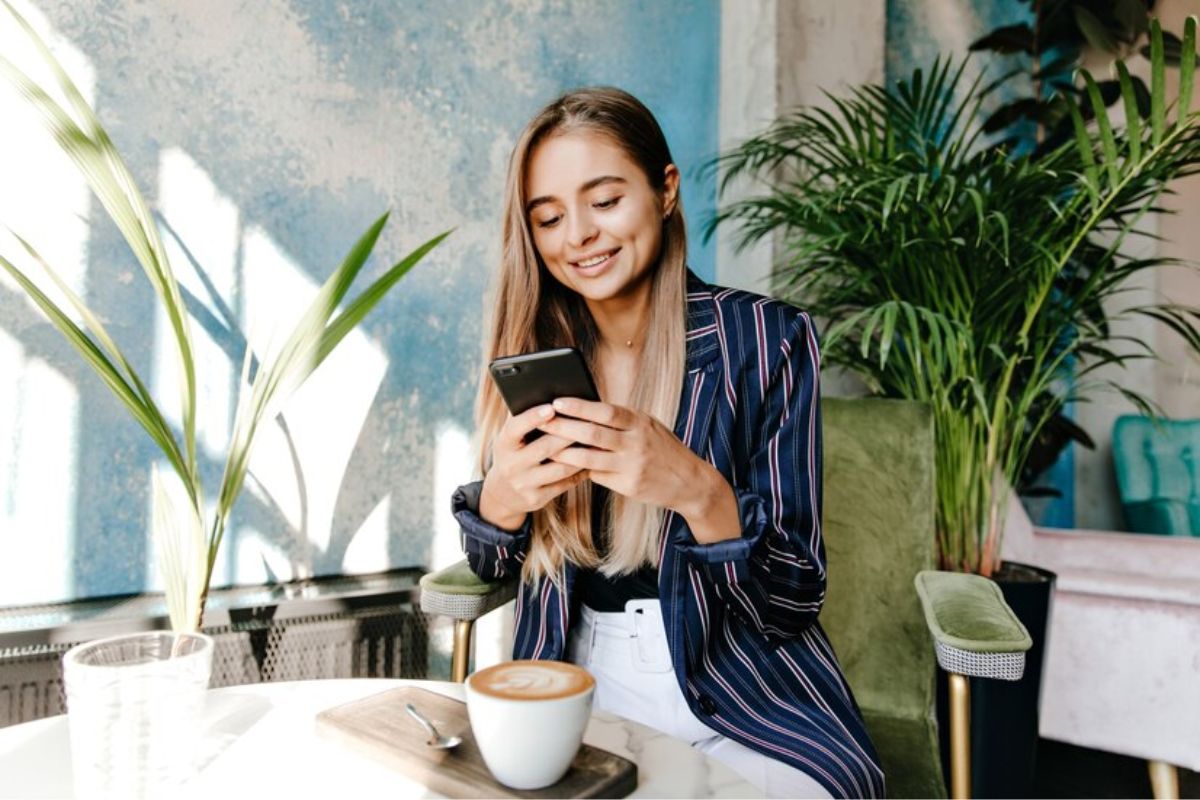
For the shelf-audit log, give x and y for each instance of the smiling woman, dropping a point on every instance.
(597, 221)
(677, 554)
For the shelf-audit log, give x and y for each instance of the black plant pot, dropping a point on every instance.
(1004, 714)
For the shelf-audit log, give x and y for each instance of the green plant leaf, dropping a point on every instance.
(1187, 71)
(888, 334)
(1083, 143)
(110, 179)
(1108, 142)
(1158, 85)
(1096, 33)
(1133, 120)
(182, 555)
(872, 321)
(362, 305)
(145, 416)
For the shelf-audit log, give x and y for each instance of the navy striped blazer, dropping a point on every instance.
(741, 615)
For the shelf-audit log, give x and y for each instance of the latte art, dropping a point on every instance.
(532, 680)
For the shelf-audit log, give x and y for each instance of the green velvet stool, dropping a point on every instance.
(879, 537)
(458, 593)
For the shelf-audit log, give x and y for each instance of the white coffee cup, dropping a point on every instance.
(528, 718)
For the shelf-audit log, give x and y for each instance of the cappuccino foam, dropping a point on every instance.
(532, 680)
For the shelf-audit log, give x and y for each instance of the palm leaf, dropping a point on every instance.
(362, 305)
(1187, 70)
(146, 416)
(1133, 119)
(112, 182)
(1158, 84)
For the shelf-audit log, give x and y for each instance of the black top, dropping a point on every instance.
(600, 592)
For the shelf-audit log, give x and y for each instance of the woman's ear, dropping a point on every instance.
(670, 190)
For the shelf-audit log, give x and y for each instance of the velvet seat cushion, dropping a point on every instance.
(456, 579)
(968, 612)
(459, 593)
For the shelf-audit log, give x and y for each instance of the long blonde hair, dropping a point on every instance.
(532, 311)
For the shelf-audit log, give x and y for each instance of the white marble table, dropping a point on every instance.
(261, 741)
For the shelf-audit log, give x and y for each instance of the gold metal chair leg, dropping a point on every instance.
(960, 737)
(1164, 780)
(461, 654)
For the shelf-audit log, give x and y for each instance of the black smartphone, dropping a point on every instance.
(534, 379)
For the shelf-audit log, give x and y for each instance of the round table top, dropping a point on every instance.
(261, 741)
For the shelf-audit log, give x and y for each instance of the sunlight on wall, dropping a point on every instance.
(46, 202)
(38, 415)
(452, 467)
(201, 238)
(368, 550)
(256, 560)
(300, 464)
(247, 286)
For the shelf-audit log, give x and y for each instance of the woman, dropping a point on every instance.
(677, 555)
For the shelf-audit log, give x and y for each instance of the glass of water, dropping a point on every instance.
(135, 708)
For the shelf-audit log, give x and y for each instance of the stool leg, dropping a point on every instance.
(1164, 780)
(960, 737)
(461, 654)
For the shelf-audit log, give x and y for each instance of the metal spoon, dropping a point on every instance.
(436, 740)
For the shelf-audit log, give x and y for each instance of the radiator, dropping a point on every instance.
(341, 627)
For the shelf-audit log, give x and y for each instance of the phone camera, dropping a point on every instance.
(510, 370)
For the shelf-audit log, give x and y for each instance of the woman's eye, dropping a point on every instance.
(548, 223)
(606, 203)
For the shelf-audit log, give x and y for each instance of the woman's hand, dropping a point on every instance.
(518, 481)
(633, 454)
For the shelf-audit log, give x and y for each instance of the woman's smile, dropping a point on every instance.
(595, 264)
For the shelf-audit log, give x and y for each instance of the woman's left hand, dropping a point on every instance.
(635, 455)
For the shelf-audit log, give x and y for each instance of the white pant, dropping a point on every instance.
(627, 653)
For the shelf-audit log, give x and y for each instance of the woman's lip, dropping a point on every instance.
(608, 257)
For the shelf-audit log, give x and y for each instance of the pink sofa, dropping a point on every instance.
(1122, 669)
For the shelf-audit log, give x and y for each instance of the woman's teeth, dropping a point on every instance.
(596, 260)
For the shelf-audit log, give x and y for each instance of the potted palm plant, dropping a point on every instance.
(977, 280)
(133, 701)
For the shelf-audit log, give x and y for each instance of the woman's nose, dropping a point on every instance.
(580, 229)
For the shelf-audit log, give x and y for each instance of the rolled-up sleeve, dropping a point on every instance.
(492, 553)
(773, 575)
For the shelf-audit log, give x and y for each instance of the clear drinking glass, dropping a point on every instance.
(135, 706)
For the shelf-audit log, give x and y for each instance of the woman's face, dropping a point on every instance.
(596, 221)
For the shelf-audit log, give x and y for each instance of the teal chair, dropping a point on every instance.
(1158, 474)
(878, 527)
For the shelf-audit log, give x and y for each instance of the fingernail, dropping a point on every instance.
(546, 412)
(560, 404)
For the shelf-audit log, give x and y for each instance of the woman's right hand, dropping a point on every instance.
(522, 478)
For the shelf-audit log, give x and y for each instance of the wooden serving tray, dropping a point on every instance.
(379, 727)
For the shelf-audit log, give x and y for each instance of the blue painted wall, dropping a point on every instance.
(297, 123)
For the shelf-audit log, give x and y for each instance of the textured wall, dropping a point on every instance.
(269, 135)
